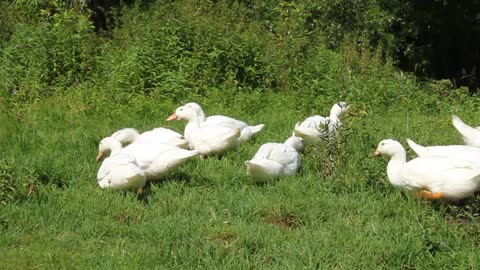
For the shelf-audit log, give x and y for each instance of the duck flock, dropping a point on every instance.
(131, 160)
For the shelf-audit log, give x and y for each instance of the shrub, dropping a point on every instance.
(39, 59)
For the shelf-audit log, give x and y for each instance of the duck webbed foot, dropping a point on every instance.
(144, 189)
(425, 194)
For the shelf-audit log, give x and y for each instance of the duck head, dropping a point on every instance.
(187, 112)
(339, 109)
(198, 110)
(296, 142)
(107, 146)
(389, 148)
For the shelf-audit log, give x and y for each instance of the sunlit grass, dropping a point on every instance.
(210, 213)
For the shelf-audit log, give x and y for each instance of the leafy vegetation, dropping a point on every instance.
(64, 87)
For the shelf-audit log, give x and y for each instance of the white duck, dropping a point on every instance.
(430, 177)
(156, 160)
(471, 135)
(247, 131)
(120, 172)
(463, 152)
(157, 135)
(273, 160)
(316, 127)
(208, 140)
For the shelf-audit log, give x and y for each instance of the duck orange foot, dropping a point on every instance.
(144, 189)
(430, 195)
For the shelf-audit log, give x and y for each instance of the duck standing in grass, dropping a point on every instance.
(274, 160)
(315, 128)
(206, 139)
(432, 177)
(246, 131)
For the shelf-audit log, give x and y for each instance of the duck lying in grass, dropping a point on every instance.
(246, 131)
(315, 128)
(120, 172)
(155, 160)
(127, 136)
(273, 160)
(432, 177)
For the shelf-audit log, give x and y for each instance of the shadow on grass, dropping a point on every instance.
(180, 177)
(462, 211)
(190, 180)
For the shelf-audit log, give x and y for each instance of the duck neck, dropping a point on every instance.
(192, 124)
(333, 124)
(130, 137)
(335, 115)
(201, 116)
(395, 165)
(333, 119)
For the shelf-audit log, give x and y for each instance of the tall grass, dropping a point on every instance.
(210, 213)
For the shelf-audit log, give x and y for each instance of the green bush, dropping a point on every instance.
(183, 50)
(52, 55)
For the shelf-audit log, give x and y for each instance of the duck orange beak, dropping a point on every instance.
(99, 156)
(174, 116)
(376, 153)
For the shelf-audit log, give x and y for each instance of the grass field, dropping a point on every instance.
(338, 212)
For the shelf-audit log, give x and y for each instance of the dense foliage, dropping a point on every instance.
(433, 38)
(192, 46)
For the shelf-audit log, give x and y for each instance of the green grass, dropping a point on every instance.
(210, 214)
